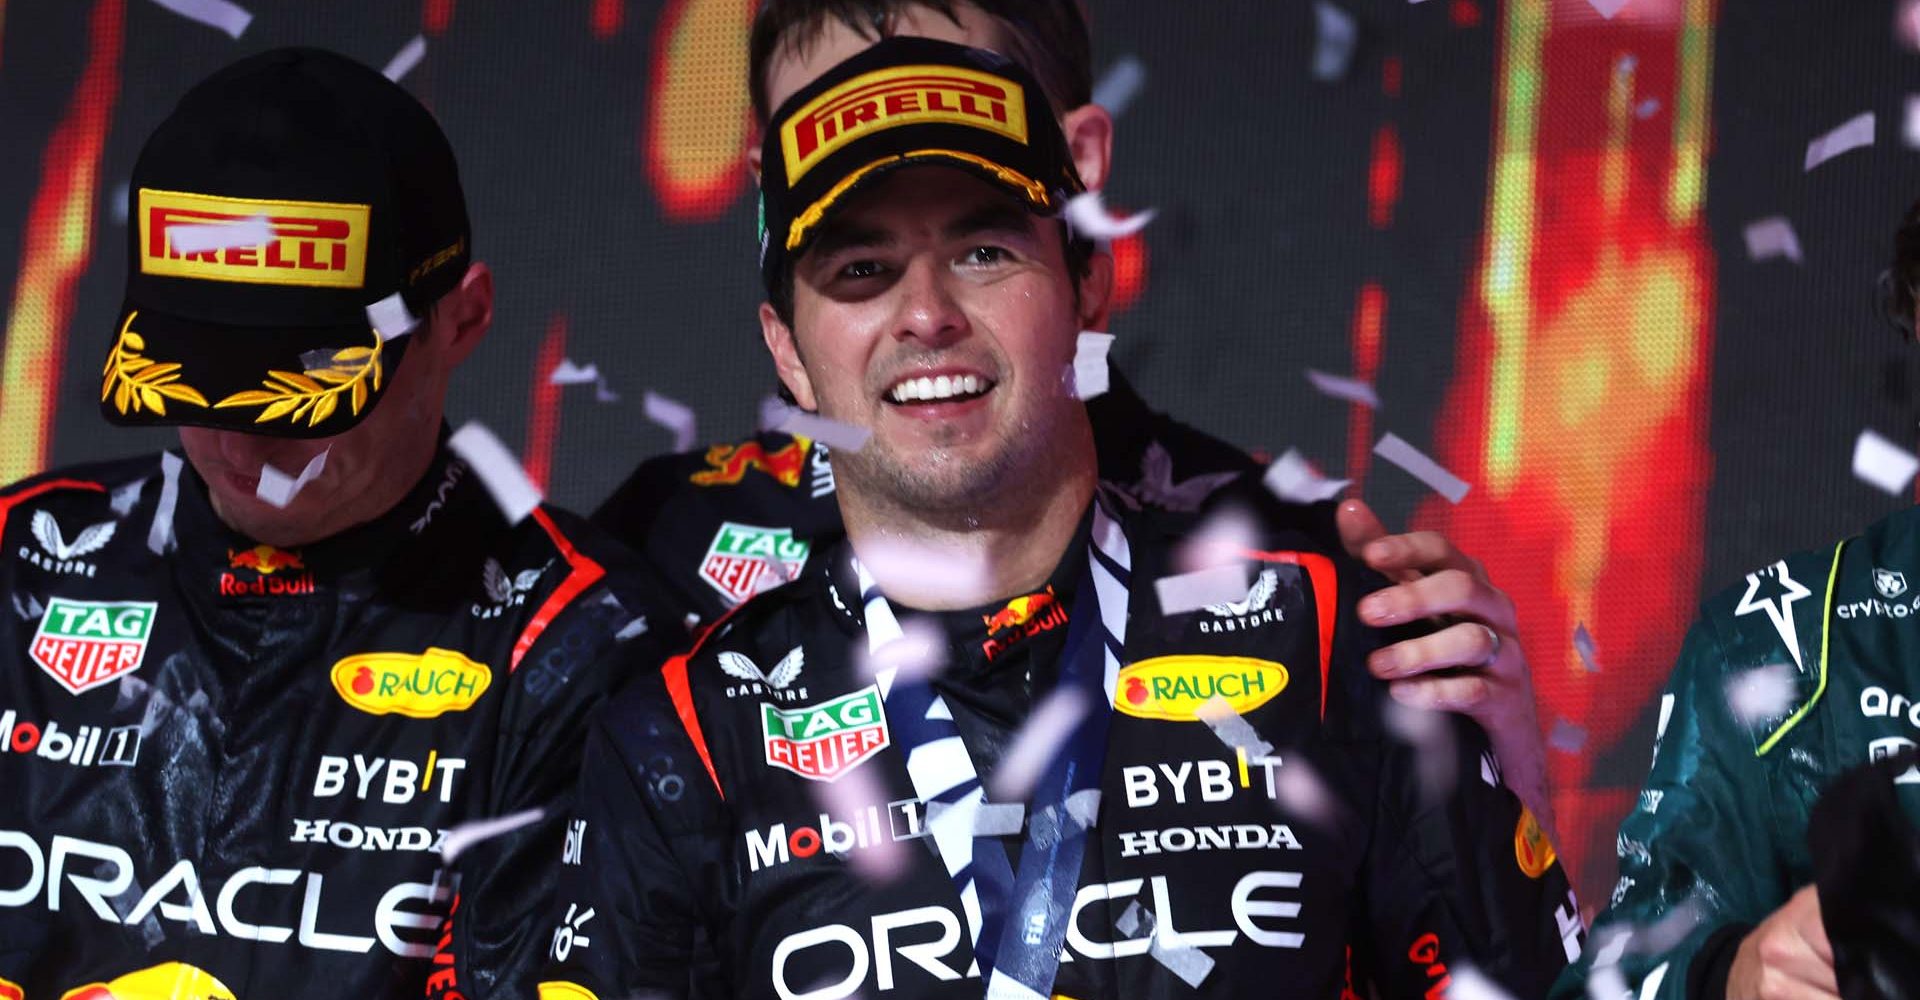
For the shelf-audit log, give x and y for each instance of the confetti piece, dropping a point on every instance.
(999, 819)
(1425, 469)
(1032, 749)
(1090, 364)
(1855, 133)
(832, 433)
(632, 630)
(498, 469)
(773, 411)
(31, 610)
(1882, 464)
(1566, 737)
(1186, 961)
(1607, 983)
(1647, 109)
(1223, 538)
(1583, 644)
(674, 416)
(1607, 8)
(1120, 84)
(1237, 733)
(253, 232)
(121, 195)
(278, 489)
(228, 17)
(569, 373)
(391, 318)
(1910, 128)
(1352, 390)
(1086, 214)
(1429, 733)
(406, 59)
(920, 653)
(1184, 592)
(1337, 35)
(464, 836)
(1469, 984)
(1294, 480)
(1772, 237)
(1083, 807)
(160, 539)
(851, 795)
(956, 575)
(1762, 694)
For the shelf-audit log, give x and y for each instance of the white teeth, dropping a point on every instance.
(940, 388)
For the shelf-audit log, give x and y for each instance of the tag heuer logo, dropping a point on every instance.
(822, 742)
(746, 559)
(1891, 583)
(84, 644)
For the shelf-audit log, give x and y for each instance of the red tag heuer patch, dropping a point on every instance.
(84, 644)
(745, 559)
(825, 741)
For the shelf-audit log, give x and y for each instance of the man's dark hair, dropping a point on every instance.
(1048, 38)
(1898, 284)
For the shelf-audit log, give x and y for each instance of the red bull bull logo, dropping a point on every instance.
(1022, 618)
(264, 560)
(271, 574)
(170, 981)
(728, 463)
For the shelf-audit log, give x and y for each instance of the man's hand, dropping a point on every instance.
(1473, 665)
(1787, 957)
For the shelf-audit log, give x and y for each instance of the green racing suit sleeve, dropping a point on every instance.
(1700, 855)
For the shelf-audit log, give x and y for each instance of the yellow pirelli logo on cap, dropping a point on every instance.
(253, 240)
(900, 95)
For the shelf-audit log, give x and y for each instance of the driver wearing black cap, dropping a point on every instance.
(249, 688)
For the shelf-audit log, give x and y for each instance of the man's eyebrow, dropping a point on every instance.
(994, 217)
(844, 236)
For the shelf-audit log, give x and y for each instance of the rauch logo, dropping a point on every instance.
(416, 685)
(1174, 687)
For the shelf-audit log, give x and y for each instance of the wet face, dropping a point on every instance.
(939, 313)
(362, 463)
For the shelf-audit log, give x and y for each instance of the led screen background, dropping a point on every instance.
(1523, 222)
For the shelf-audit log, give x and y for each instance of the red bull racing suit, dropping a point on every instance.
(231, 768)
(1244, 822)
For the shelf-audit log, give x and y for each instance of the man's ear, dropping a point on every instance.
(786, 357)
(466, 313)
(1096, 291)
(753, 156)
(1089, 132)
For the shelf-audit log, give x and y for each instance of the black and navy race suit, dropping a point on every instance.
(762, 798)
(228, 769)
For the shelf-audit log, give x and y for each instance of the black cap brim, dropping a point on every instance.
(293, 382)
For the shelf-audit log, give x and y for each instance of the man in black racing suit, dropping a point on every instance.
(236, 732)
(838, 788)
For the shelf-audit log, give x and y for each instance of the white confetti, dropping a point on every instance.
(1566, 737)
(1883, 464)
(1425, 469)
(1293, 479)
(1607, 8)
(466, 835)
(1032, 749)
(1762, 694)
(632, 630)
(1910, 128)
(1186, 961)
(1647, 109)
(1607, 983)
(773, 412)
(569, 373)
(1090, 364)
(1352, 390)
(228, 17)
(278, 489)
(406, 59)
(1431, 735)
(1120, 84)
(1583, 644)
(1184, 592)
(955, 575)
(1338, 34)
(252, 232)
(1469, 984)
(847, 799)
(674, 416)
(1233, 730)
(391, 318)
(121, 196)
(1855, 133)
(499, 471)
(1083, 807)
(827, 431)
(1086, 214)
(1772, 237)
(999, 819)
(920, 653)
(1300, 791)
(1223, 538)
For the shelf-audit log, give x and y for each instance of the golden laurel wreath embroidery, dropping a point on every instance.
(316, 394)
(138, 383)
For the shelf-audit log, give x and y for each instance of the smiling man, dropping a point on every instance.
(237, 725)
(844, 790)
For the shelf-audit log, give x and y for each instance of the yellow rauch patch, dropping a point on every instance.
(1531, 848)
(566, 991)
(1174, 687)
(416, 685)
(169, 981)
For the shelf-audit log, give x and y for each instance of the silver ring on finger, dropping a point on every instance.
(1493, 646)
